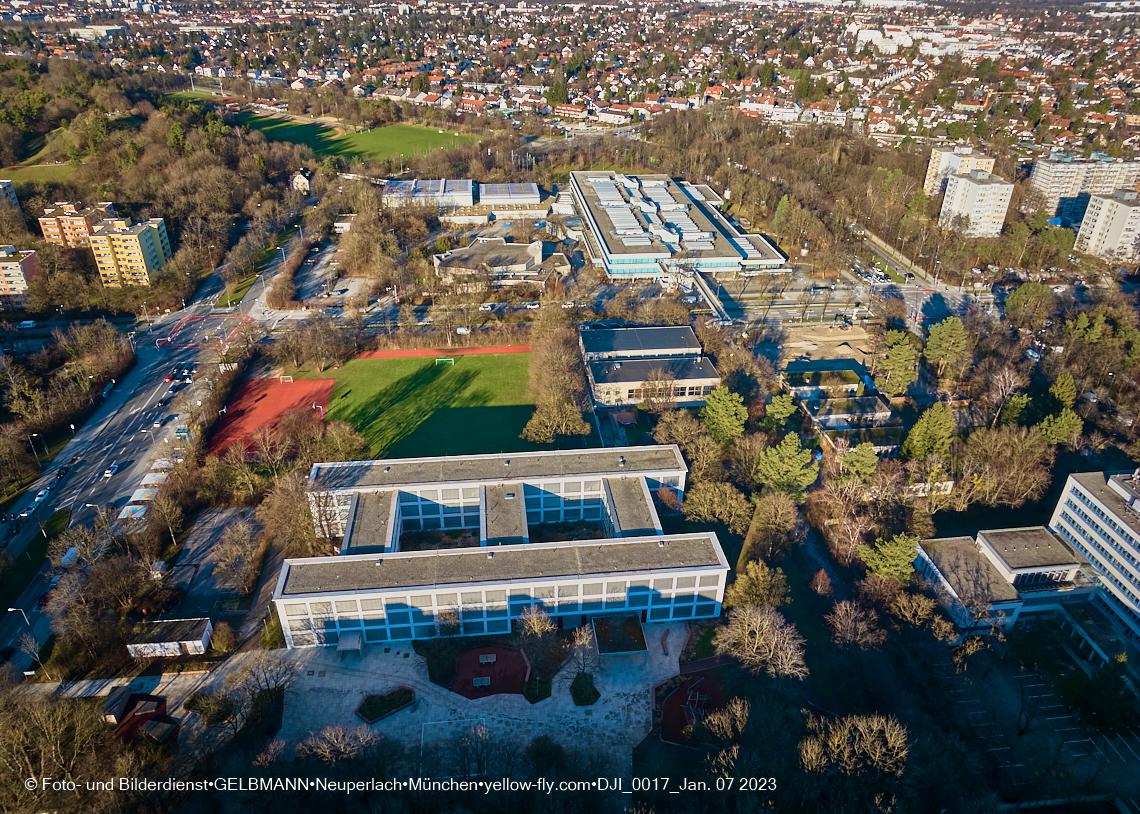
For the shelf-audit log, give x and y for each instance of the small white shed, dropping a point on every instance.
(172, 637)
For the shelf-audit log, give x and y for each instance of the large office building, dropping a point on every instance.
(70, 224)
(1063, 183)
(388, 584)
(626, 365)
(1111, 228)
(17, 268)
(952, 159)
(639, 227)
(129, 253)
(1099, 515)
(975, 204)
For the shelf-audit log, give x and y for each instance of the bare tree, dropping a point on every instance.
(29, 645)
(166, 509)
(855, 625)
(235, 557)
(534, 621)
(659, 391)
(334, 744)
(763, 640)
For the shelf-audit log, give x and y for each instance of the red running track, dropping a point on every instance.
(261, 403)
(441, 352)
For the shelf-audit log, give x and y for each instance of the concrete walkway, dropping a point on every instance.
(330, 690)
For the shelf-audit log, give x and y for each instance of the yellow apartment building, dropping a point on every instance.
(129, 253)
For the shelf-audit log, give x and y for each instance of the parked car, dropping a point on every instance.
(111, 470)
(568, 304)
(158, 422)
(486, 307)
(463, 330)
(43, 600)
(531, 306)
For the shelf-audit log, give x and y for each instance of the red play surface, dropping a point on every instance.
(404, 354)
(508, 673)
(261, 403)
(701, 694)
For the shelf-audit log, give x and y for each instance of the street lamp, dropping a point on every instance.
(146, 314)
(21, 610)
(36, 452)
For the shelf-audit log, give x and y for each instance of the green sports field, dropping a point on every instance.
(380, 142)
(408, 408)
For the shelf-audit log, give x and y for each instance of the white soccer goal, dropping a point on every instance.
(286, 379)
(444, 362)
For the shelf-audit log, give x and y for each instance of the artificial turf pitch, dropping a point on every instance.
(412, 407)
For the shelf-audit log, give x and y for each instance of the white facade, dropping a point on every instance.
(663, 590)
(1111, 228)
(8, 193)
(1098, 515)
(952, 160)
(975, 204)
(1062, 183)
(172, 638)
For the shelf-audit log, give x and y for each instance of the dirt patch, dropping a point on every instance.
(821, 342)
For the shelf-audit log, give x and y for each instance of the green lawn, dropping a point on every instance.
(38, 172)
(380, 142)
(232, 297)
(414, 408)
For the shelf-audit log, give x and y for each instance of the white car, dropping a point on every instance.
(531, 306)
(463, 330)
(568, 304)
(111, 470)
(486, 307)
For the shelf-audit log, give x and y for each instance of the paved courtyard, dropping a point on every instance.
(329, 691)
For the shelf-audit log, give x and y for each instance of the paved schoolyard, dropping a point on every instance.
(330, 689)
(194, 569)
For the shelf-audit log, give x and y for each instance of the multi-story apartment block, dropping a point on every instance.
(129, 253)
(16, 270)
(1063, 183)
(975, 204)
(8, 193)
(1111, 228)
(1099, 515)
(952, 159)
(69, 224)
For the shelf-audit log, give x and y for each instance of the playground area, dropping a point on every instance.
(490, 670)
(262, 402)
(701, 694)
(198, 332)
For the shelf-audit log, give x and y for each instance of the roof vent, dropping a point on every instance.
(660, 543)
(490, 554)
(507, 462)
(621, 460)
(380, 562)
(510, 495)
(387, 469)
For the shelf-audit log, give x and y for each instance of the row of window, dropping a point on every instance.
(1098, 564)
(304, 635)
(678, 392)
(1116, 546)
(1099, 512)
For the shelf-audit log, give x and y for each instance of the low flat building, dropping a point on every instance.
(637, 227)
(627, 365)
(387, 593)
(435, 192)
(498, 263)
(171, 638)
(1004, 574)
(617, 384)
(411, 595)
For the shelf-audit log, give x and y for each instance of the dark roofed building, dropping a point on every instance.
(625, 364)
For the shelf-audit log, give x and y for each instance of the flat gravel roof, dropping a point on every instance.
(521, 466)
(498, 564)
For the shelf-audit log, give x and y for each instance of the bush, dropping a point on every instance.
(582, 690)
(375, 707)
(224, 640)
(212, 708)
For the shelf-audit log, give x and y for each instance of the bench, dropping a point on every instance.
(481, 681)
(488, 658)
